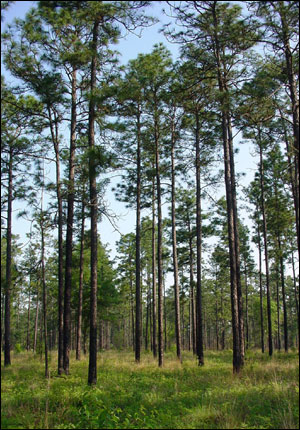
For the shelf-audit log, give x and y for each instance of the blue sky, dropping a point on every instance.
(129, 47)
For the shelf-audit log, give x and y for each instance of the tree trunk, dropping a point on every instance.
(295, 293)
(174, 246)
(159, 243)
(28, 318)
(247, 316)
(138, 246)
(36, 323)
(295, 113)
(231, 210)
(44, 287)
(69, 237)
(263, 210)
(81, 261)
(260, 292)
(7, 360)
(154, 313)
(92, 376)
(199, 328)
(55, 141)
(285, 326)
(278, 309)
(236, 241)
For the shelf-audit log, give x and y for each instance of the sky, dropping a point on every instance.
(129, 47)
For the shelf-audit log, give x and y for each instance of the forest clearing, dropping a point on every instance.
(130, 395)
(150, 238)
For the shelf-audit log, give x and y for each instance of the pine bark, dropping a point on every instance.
(174, 246)
(262, 331)
(7, 339)
(55, 141)
(138, 246)
(154, 301)
(81, 261)
(92, 376)
(265, 228)
(69, 237)
(159, 245)
(236, 308)
(199, 328)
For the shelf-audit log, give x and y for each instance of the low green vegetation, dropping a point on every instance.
(131, 396)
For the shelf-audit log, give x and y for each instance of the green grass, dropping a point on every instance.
(130, 396)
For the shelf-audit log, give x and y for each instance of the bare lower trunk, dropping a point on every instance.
(92, 376)
(174, 246)
(199, 328)
(69, 237)
(263, 210)
(261, 294)
(138, 248)
(79, 320)
(7, 346)
(154, 305)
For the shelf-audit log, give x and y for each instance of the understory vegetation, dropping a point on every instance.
(129, 395)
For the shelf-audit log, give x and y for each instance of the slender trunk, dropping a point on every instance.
(92, 376)
(36, 323)
(7, 340)
(278, 308)
(295, 293)
(217, 323)
(260, 292)
(138, 246)
(263, 210)
(55, 141)
(154, 306)
(81, 261)
(295, 113)
(165, 316)
(69, 236)
(231, 211)
(236, 241)
(42, 226)
(191, 262)
(285, 327)
(131, 305)
(159, 243)
(223, 322)
(147, 318)
(28, 318)
(199, 328)
(174, 245)
(247, 314)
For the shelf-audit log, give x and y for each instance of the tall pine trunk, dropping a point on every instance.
(295, 114)
(69, 237)
(285, 324)
(42, 226)
(7, 340)
(92, 376)
(262, 331)
(138, 245)
(55, 141)
(174, 246)
(159, 243)
(154, 302)
(81, 261)
(199, 328)
(237, 328)
(263, 210)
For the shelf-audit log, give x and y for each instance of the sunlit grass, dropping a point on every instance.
(130, 395)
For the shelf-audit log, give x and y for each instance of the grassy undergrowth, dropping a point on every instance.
(130, 396)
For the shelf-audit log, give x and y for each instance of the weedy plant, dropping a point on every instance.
(130, 395)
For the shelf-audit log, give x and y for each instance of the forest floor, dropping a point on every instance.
(139, 396)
